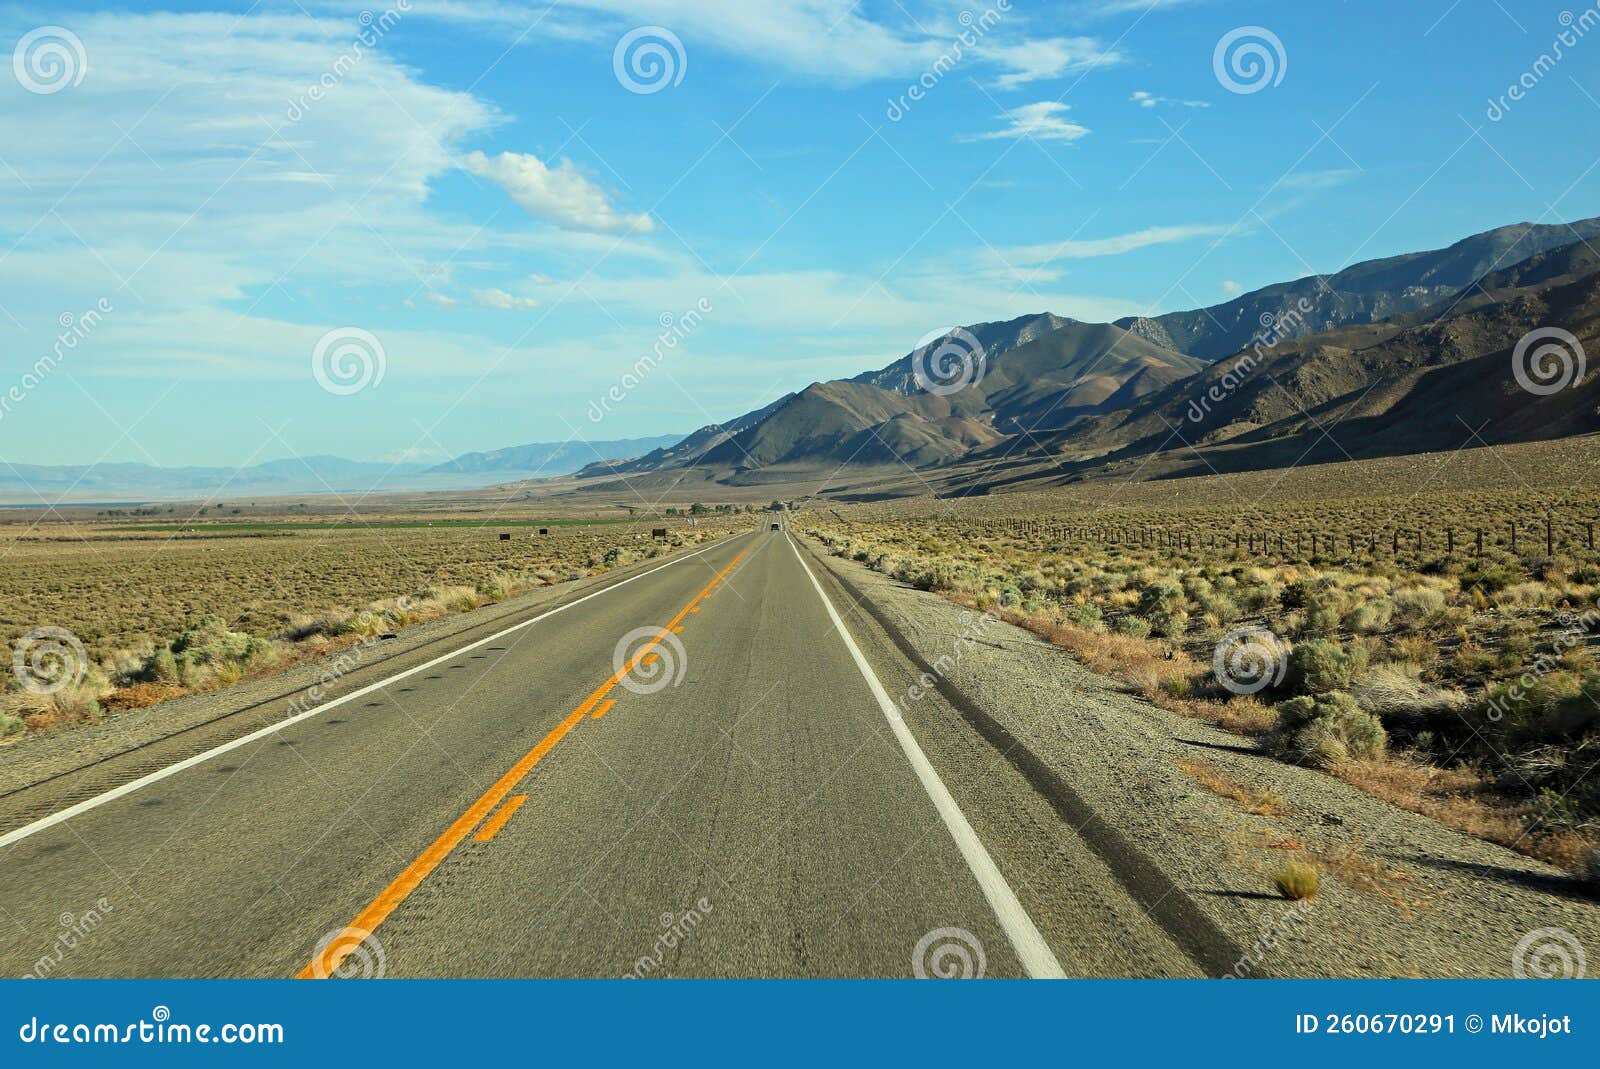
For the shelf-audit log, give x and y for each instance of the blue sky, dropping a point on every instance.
(483, 196)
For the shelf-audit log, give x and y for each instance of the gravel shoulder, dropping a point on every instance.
(1401, 896)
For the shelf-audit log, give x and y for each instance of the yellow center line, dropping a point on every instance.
(492, 826)
(342, 945)
(603, 708)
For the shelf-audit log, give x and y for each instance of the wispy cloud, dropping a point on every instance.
(1048, 57)
(502, 301)
(1043, 121)
(1150, 100)
(819, 40)
(560, 194)
(1108, 8)
(1112, 245)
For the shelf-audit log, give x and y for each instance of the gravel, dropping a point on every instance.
(1415, 898)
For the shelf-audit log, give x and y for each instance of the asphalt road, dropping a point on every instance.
(733, 800)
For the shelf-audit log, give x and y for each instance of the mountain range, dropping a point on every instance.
(123, 482)
(1399, 355)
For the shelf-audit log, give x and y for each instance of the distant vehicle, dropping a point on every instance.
(774, 527)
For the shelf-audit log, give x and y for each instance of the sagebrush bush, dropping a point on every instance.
(1086, 615)
(1319, 665)
(1324, 729)
(1370, 616)
(1419, 607)
(1133, 626)
(1488, 577)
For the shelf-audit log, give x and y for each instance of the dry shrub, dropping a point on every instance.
(1215, 780)
(1355, 869)
(1464, 800)
(141, 695)
(1296, 881)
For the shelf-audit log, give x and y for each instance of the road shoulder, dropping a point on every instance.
(1401, 896)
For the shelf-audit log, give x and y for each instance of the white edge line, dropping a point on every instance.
(189, 762)
(1031, 948)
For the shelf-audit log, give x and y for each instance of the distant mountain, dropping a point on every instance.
(1430, 380)
(552, 458)
(1362, 293)
(995, 338)
(33, 483)
(48, 483)
(1038, 370)
(1388, 356)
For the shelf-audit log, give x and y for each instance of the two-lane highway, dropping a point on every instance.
(692, 774)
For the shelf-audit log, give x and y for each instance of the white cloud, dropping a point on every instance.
(1107, 8)
(439, 300)
(503, 301)
(1314, 181)
(826, 41)
(1043, 121)
(560, 194)
(1044, 253)
(1150, 100)
(1048, 57)
(1231, 288)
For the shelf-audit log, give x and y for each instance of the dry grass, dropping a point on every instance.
(1296, 880)
(1412, 640)
(1215, 780)
(1463, 800)
(251, 606)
